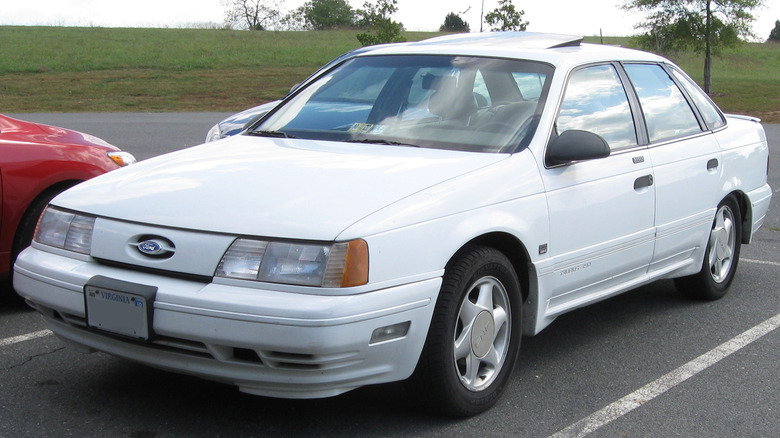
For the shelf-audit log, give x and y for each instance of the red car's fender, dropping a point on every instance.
(37, 162)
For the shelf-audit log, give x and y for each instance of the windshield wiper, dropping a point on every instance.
(275, 134)
(380, 141)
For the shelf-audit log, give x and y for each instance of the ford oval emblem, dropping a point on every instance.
(150, 247)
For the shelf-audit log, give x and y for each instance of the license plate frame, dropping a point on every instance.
(120, 307)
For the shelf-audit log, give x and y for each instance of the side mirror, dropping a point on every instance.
(576, 145)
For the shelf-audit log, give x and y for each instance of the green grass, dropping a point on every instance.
(744, 80)
(65, 69)
(107, 69)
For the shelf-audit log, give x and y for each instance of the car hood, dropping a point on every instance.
(21, 132)
(269, 187)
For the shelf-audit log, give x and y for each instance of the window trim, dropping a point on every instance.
(633, 104)
(670, 70)
(704, 128)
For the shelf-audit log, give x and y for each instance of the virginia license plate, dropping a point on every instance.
(119, 307)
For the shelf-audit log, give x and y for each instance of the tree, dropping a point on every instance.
(453, 23)
(251, 14)
(327, 14)
(775, 34)
(377, 20)
(506, 17)
(705, 26)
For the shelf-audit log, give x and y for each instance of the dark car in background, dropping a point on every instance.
(236, 123)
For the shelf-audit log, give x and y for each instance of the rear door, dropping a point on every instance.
(687, 165)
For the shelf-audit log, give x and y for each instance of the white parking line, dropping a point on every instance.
(652, 390)
(761, 262)
(22, 338)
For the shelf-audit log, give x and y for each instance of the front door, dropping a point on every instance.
(601, 211)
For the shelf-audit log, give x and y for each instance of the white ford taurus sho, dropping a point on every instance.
(409, 214)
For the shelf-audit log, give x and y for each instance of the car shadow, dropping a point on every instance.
(11, 302)
(159, 403)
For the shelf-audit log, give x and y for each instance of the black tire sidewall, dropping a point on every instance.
(701, 285)
(715, 289)
(26, 229)
(436, 371)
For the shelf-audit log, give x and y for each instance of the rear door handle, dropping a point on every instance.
(712, 164)
(642, 182)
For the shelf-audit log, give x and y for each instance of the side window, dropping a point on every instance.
(481, 93)
(666, 111)
(530, 84)
(596, 101)
(423, 85)
(708, 110)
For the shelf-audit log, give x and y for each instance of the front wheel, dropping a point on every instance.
(474, 336)
(720, 258)
(25, 232)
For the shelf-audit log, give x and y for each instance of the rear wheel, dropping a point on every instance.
(720, 258)
(474, 336)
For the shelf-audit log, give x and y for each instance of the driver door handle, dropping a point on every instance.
(643, 181)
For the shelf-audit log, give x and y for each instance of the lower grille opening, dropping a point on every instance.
(246, 355)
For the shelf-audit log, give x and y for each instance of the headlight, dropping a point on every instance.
(65, 230)
(306, 264)
(122, 158)
(214, 133)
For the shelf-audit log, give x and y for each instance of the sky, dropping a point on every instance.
(582, 17)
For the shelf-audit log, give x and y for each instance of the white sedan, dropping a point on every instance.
(411, 213)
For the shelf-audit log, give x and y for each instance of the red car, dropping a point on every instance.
(37, 162)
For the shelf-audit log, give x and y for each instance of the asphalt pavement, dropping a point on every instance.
(645, 363)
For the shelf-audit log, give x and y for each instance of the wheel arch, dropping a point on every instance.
(515, 250)
(746, 214)
(51, 191)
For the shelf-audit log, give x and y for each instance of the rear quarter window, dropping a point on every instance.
(667, 113)
(712, 116)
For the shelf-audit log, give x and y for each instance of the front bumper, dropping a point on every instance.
(266, 342)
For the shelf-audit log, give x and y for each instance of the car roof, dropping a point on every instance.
(556, 49)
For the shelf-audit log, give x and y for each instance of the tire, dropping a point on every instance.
(474, 338)
(26, 229)
(721, 257)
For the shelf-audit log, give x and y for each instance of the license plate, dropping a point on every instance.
(120, 307)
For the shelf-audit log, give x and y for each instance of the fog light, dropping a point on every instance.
(390, 332)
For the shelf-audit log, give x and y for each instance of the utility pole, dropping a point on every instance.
(481, 14)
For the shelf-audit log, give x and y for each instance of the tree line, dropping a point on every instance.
(704, 26)
(376, 18)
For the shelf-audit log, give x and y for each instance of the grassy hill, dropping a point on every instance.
(60, 69)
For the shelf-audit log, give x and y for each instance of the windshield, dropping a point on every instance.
(447, 102)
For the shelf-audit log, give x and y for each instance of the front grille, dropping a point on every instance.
(205, 279)
(221, 353)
